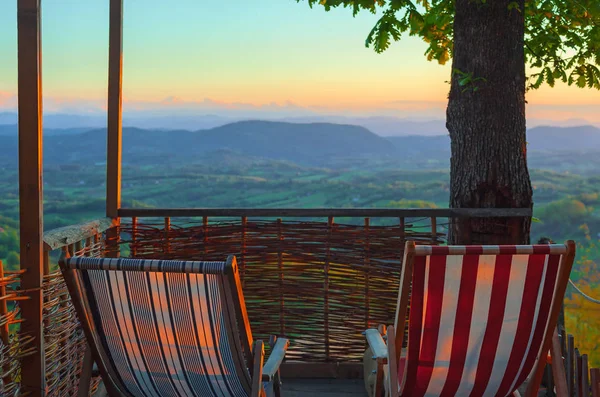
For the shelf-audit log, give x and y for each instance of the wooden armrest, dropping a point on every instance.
(377, 345)
(275, 358)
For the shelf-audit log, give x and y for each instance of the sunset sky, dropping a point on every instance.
(207, 54)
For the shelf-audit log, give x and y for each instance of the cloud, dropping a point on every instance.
(409, 109)
(8, 100)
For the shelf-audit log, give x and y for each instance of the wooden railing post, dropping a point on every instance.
(243, 248)
(88, 246)
(205, 230)
(570, 364)
(280, 271)
(33, 381)
(115, 93)
(433, 230)
(585, 380)
(133, 248)
(167, 246)
(595, 379)
(326, 285)
(402, 231)
(3, 307)
(367, 267)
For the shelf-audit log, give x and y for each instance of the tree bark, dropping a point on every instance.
(486, 121)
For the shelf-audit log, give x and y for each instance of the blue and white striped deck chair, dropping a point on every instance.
(169, 328)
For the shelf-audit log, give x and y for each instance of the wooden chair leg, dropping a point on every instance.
(558, 367)
(86, 374)
(259, 357)
(392, 363)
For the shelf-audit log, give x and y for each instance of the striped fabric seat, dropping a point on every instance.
(480, 317)
(164, 328)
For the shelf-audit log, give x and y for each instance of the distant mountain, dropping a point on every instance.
(544, 138)
(307, 144)
(540, 139)
(11, 129)
(314, 144)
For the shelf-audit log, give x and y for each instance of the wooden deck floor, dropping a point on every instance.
(323, 387)
(308, 388)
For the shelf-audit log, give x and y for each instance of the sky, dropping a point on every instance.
(238, 54)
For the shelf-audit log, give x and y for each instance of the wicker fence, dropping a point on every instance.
(64, 340)
(320, 283)
(13, 347)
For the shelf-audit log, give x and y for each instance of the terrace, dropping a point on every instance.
(319, 276)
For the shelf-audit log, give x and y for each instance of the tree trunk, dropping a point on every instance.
(486, 121)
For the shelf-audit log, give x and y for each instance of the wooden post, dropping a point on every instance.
(3, 306)
(243, 248)
(595, 378)
(433, 230)
(326, 286)
(88, 247)
(402, 231)
(4, 330)
(367, 267)
(585, 380)
(133, 250)
(571, 379)
(205, 239)
(280, 271)
(30, 190)
(46, 262)
(115, 95)
(167, 246)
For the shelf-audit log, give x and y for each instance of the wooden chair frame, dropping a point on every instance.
(390, 353)
(248, 351)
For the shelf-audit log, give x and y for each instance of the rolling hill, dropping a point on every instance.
(312, 144)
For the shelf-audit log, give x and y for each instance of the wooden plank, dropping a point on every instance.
(334, 370)
(133, 247)
(243, 253)
(585, 380)
(115, 102)
(595, 380)
(3, 307)
(326, 287)
(324, 388)
(367, 264)
(281, 279)
(167, 230)
(570, 366)
(31, 190)
(578, 373)
(327, 212)
(63, 236)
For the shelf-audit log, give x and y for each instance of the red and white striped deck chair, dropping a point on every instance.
(481, 319)
(169, 328)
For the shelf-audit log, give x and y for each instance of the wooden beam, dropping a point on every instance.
(30, 190)
(58, 238)
(326, 212)
(115, 106)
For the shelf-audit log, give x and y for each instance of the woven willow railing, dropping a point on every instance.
(13, 347)
(64, 340)
(320, 283)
